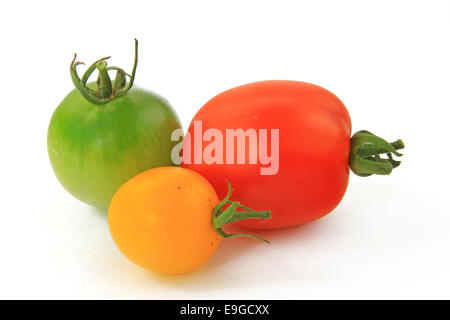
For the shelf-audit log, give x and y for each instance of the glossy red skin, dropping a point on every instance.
(314, 142)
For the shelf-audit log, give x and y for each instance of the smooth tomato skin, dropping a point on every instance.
(314, 142)
(94, 149)
(161, 220)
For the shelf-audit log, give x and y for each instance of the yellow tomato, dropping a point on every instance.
(161, 220)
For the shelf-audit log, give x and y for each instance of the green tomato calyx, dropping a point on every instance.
(106, 90)
(365, 151)
(226, 212)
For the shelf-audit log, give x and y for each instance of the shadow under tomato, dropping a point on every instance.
(222, 270)
(214, 272)
(100, 212)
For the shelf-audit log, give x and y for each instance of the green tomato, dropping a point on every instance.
(95, 147)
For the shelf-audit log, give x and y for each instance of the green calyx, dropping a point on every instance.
(365, 151)
(226, 212)
(106, 90)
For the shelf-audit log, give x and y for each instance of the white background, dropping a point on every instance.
(388, 61)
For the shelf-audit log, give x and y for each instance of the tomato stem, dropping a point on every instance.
(365, 151)
(226, 212)
(105, 90)
(104, 84)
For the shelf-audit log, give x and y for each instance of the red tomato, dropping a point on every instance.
(314, 143)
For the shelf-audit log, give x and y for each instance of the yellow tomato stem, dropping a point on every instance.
(226, 212)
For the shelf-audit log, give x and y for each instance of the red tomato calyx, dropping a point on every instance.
(222, 216)
(106, 89)
(365, 151)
